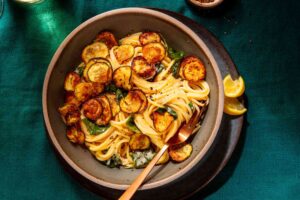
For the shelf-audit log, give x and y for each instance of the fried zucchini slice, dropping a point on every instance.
(142, 68)
(94, 61)
(139, 141)
(123, 53)
(115, 108)
(71, 99)
(106, 113)
(83, 91)
(67, 108)
(71, 80)
(131, 40)
(122, 77)
(149, 37)
(100, 60)
(98, 88)
(99, 72)
(180, 152)
(192, 69)
(163, 159)
(131, 103)
(69, 113)
(92, 109)
(144, 100)
(162, 121)
(72, 118)
(94, 50)
(108, 38)
(75, 135)
(154, 52)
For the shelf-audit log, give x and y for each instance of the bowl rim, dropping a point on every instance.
(199, 43)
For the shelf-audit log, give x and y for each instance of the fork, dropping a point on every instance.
(183, 134)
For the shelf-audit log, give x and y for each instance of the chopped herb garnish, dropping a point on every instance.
(93, 128)
(131, 125)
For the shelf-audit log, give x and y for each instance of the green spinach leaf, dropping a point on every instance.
(120, 94)
(79, 69)
(113, 162)
(159, 68)
(93, 128)
(131, 125)
(169, 110)
(191, 105)
(111, 88)
(176, 55)
(175, 69)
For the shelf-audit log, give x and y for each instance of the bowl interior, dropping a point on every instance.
(68, 56)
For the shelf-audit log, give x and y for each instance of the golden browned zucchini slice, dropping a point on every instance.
(75, 135)
(83, 91)
(92, 109)
(94, 61)
(97, 49)
(154, 52)
(122, 77)
(98, 88)
(192, 69)
(106, 113)
(67, 108)
(108, 38)
(72, 79)
(115, 108)
(149, 37)
(162, 121)
(70, 113)
(180, 152)
(99, 72)
(71, 99)
(144, 100)
(139, 141)
(131, 103)
(142, 68)
(123, 53)
(131, 39)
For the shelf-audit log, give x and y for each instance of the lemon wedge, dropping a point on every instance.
(233, 88)
(233, 106)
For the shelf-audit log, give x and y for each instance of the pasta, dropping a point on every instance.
(124, 102)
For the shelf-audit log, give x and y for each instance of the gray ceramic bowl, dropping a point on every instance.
(121, 22)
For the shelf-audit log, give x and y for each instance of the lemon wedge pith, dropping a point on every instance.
(233, 88)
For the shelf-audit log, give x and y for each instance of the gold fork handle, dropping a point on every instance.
(140, 179)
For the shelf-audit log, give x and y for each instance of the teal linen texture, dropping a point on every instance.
(263, 38)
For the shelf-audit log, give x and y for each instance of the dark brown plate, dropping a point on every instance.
(218, 155)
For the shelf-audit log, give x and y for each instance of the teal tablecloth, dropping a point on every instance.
(263, 38)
